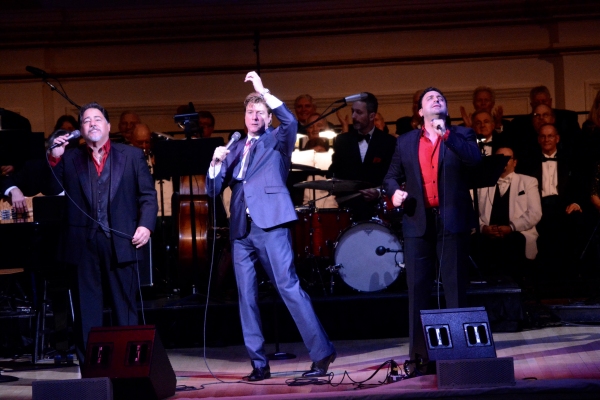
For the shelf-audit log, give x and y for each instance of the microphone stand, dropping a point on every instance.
(325, 115)
(63, 94)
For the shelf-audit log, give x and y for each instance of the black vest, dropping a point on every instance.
(499, 214)
(100, 195)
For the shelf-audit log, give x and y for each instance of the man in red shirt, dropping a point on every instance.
(438, 211)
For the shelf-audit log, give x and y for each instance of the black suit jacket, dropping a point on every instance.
(347, 164)
(570, 185)
(132, 200)
(457, 153)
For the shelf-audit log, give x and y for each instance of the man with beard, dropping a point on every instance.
(362, 155)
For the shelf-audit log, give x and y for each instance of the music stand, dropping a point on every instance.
(484, 175)
(175, 158)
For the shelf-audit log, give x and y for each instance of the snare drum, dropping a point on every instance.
(359, 265)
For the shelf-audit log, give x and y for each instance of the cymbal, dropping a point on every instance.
(307, 168)
(334, 185)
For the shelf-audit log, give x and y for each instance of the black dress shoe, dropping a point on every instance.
(320, 367)
(258, 374)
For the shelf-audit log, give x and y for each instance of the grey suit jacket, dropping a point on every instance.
(263, 190)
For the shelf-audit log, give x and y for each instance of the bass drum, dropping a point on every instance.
(359, 265)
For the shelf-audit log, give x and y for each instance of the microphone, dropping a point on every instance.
(37, 72)
(440, 125)
(382, 250)
(73, 135)
(234, 138)
(353, 98)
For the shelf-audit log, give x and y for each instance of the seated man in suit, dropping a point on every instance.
(363, 155)
(508, 214)
(522, 132)
(488, 139)
(562, 197)
(484, 98)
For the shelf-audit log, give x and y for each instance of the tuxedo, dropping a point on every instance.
(432, 234)
(522, 137)
(264, 234)
(346, 163)
(95, 255)
(524, 210)
(561, 234)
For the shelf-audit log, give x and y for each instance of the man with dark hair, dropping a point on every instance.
(206, 121)
(362, 155)
(256, 169)
(110, 215)
(427, 177)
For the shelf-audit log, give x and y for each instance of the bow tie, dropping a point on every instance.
(544, 159)
(486, 144)
(361, 137)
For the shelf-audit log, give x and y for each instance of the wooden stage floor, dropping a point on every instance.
(550, 363)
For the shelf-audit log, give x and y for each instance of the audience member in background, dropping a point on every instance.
(207, 123)
(487, 138)
(66, 122)
(363, 155)
(12, 120)
(313, 130)
(304, 107)
(508, 214)
(566, 122)
(380, 123)
(589, 148)
(415, 121)
(484, 98)
(562, 228)
(142, 139)
(127, 122)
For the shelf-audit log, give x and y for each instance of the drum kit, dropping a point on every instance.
(367, 255)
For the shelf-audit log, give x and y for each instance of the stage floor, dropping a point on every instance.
(550, 363)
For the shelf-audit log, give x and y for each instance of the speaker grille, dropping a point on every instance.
(89, 389)
(482, 372)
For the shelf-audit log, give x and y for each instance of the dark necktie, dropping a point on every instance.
(362, 137)
(544, 159)
(246, 156)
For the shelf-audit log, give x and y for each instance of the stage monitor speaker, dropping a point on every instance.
(134, 358)
(88, 389)
(483, 372)
(457, 333)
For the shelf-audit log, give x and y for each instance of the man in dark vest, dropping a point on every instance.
(508, 214)
(109, 216)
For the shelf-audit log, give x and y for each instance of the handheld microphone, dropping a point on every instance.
(73, 135)
(234, 138)
(440, 125)
(353, 98)
(37, 72)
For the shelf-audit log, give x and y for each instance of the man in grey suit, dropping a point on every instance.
(256, 169)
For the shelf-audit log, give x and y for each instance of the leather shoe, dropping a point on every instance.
(320, 367)
(258, 374)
